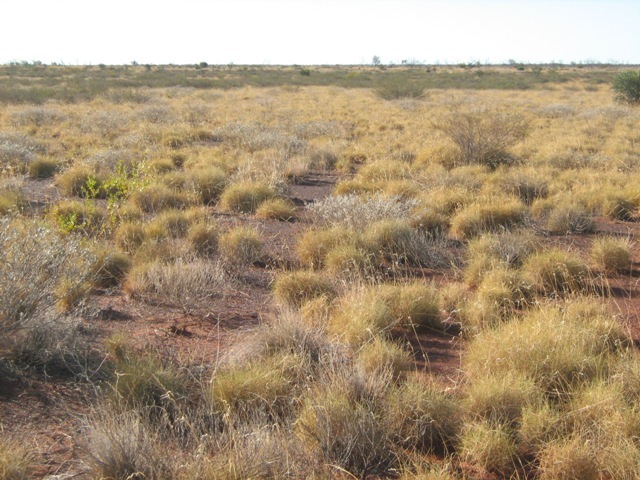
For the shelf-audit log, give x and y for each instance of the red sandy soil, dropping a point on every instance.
(46, 412)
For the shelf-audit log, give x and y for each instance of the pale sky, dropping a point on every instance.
(319, 32)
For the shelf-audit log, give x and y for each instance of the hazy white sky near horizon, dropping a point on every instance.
(319, 32)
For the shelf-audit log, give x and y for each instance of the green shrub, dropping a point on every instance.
(626, 86)
(72, 216)
(81, 181)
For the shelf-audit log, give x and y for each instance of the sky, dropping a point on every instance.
(315, 32)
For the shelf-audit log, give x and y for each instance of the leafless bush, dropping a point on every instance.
(16, 152)
(125, 446)
(156, 114)
(557, 110)
(38, 269)
(256, 136)
(184, 282)
(37, 116)
(483, 137)
(357, 212)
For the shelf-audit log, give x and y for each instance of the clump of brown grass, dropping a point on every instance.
(277, 209)
(611, 254)
(556, 272)
(241, 245)
(476, 219)
(245, 197)
(15, 459)
(296, 288)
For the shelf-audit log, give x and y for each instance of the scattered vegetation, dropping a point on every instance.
(437, 306)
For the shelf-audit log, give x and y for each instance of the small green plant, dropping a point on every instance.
(626, 86)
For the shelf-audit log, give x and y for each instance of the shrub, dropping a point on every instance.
(16, 152)
(296, 288)
(400, 88)
(130, 236)
(415, 304)
(241, 245)
(157, 197)
(423, 416)
(570, 458)
(182, 282)
(76, 216)
(475, 219)
(555, 272)
(34, 263)
(611, 254)
(123, 445)
(356, 211)
(566, 219)
(277, 209)
(259, 385)
(483, 137)
(110, 269)
(489, 446)
(12, 199)
(500, 400)
(245, 197)
(43, 168)
(558, 347)
(14, 459)
(346, 433)
(626, 86)
(204, 239)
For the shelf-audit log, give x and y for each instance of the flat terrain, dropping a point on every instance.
(148, 164)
